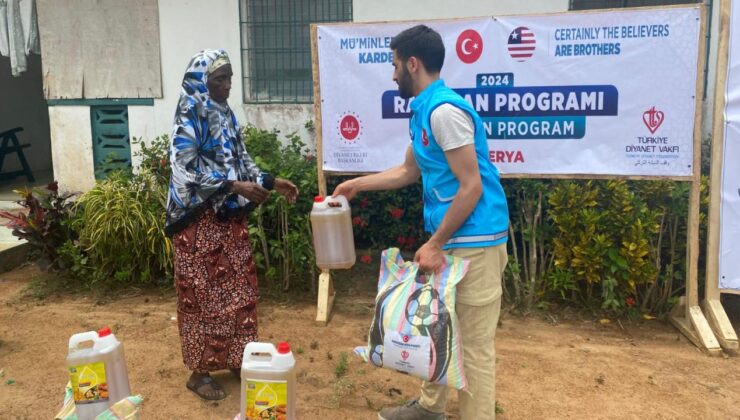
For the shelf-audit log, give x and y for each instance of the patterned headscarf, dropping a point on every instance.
(206, 149)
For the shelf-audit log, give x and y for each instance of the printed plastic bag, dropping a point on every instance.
(415, 328)
(128, 408)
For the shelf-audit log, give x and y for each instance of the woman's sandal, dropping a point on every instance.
(203, 381)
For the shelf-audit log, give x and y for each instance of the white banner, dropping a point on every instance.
(729, 245)
(576, 93)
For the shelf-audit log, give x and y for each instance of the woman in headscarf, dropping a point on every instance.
(214, 184)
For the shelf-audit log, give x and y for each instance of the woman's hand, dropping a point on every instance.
(287, 189)
(251, 191)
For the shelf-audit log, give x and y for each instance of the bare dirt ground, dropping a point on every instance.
(549, 366)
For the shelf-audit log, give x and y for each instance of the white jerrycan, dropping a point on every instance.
(268, 382)
(98, 373)
(333, 240)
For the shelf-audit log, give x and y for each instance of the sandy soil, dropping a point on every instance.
(549, 366)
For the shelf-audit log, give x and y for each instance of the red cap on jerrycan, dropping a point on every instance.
(103, 332)
(283, 348)
(318, 199)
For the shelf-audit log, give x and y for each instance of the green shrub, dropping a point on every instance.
(120, 223)
(602, 239)
(529, 240)
(280, 232)
(155, 157)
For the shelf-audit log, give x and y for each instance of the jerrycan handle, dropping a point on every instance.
(340, 199)
(80, 338)
(252, 348)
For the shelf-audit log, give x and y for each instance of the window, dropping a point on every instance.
(276, 46)
(111, 141)
(613, 4)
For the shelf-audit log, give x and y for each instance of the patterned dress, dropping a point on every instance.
(215, 274)
(216, 292)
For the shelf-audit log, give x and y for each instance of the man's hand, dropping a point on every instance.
(251, 191)
(430, 257)
(287, 189)
(347, 188)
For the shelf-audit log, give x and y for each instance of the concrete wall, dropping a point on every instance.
(22, 103)
(285, 118)
(71, 147)
(182, 34)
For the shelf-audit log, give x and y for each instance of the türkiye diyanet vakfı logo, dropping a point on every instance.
(652, 149)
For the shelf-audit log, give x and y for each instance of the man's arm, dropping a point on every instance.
(464, 165)
(400, 176)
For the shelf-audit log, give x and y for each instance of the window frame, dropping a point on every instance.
(290, 89)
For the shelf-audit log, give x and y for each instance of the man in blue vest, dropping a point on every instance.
(464, 209)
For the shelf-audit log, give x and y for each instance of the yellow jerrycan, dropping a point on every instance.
(98, 373)
(268, 382)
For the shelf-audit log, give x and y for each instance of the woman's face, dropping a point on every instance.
(219, 83)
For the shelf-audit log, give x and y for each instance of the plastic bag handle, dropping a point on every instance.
(79, 338)
(259, 348)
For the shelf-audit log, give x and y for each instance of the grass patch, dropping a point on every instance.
(342, 388)
(44, 285)
(341, 367)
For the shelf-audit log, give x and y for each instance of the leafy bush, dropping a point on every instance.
(529, 235)
(603, 233)
(155, 157)
(280, 232)
(44, 225)
(120, 223)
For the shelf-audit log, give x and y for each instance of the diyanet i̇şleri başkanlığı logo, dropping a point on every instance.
(349, 127)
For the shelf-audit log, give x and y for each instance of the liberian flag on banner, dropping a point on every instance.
(521, 43)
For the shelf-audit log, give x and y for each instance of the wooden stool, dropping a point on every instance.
(10, 144)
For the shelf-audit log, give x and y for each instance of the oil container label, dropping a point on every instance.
(89, 384)
(266, 399)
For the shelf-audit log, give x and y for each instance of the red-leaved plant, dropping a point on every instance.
(44, 223)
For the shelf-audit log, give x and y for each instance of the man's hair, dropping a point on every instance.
(423, 43)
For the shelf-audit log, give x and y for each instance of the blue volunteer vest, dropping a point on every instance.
(488, 224)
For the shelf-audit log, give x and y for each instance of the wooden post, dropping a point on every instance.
(326, 283)
(711, 304)
(326, 297)
(687, 317)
